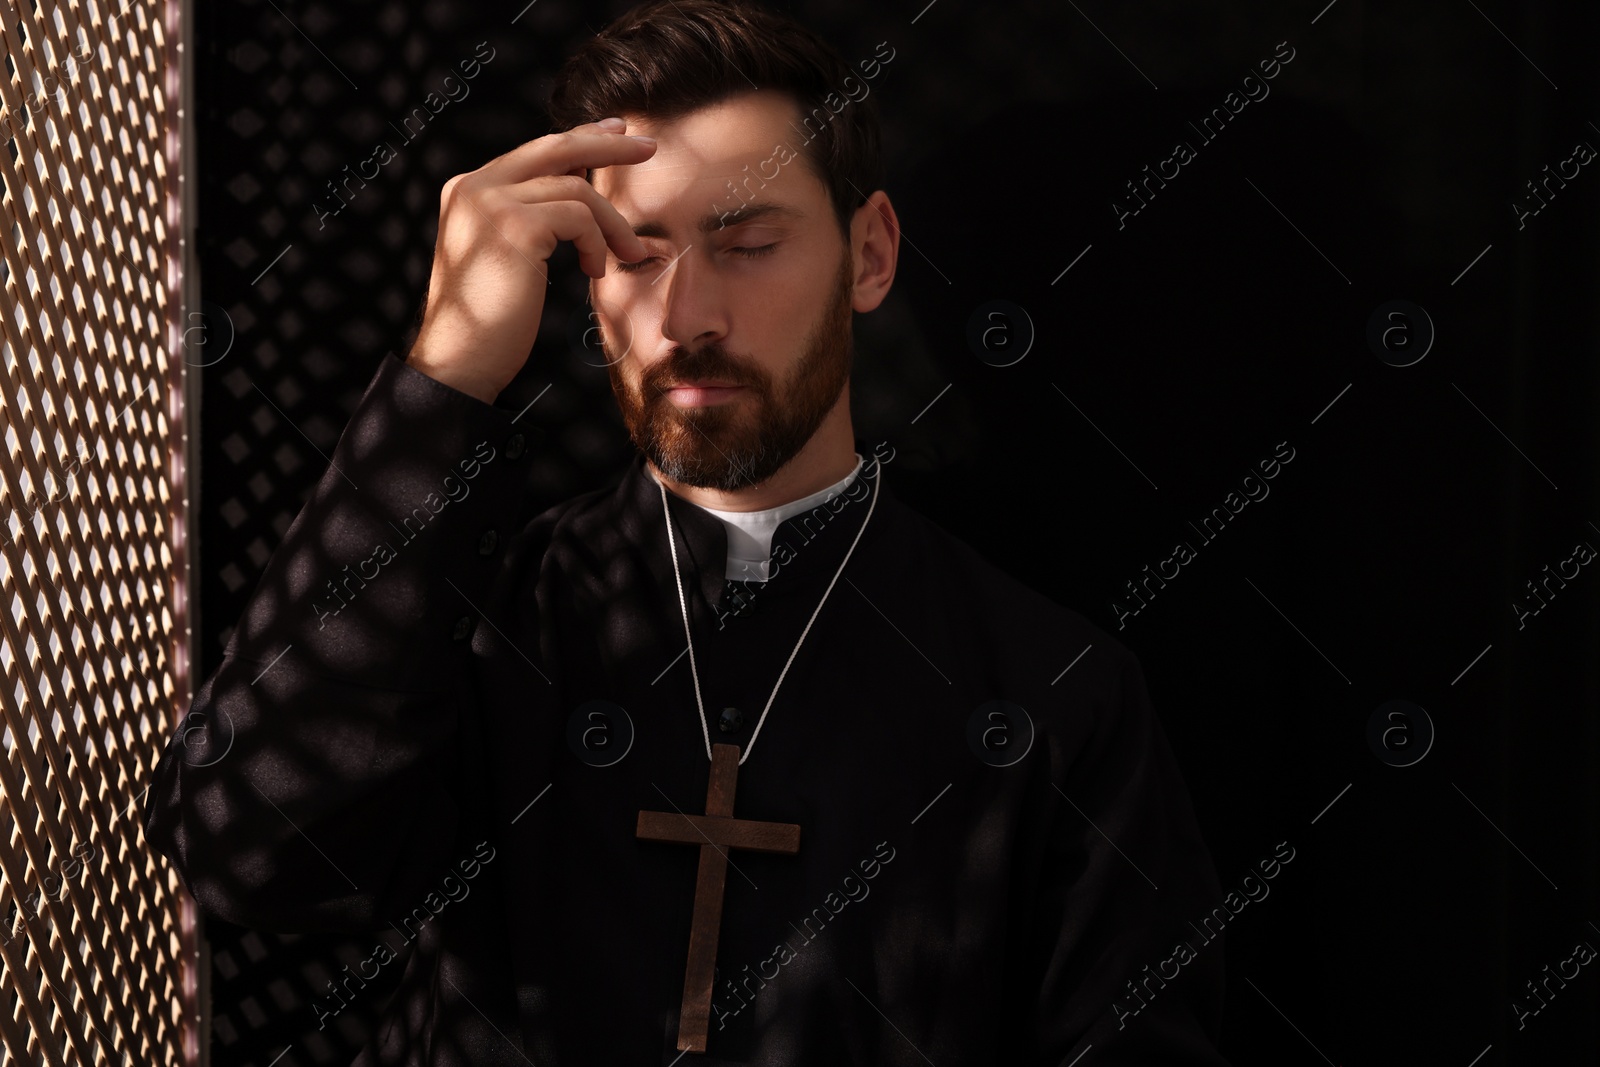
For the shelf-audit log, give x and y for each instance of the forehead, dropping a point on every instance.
(735, 140)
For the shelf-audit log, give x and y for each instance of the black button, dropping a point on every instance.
(732, 719)
(514, 446)
(739, 596)
(463, 628)
(487, 542)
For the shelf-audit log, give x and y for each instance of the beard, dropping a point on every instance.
(744, 441)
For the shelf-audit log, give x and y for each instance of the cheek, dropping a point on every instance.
(785, 308)
(624, 328)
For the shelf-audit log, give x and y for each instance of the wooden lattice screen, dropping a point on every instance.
(97, 960)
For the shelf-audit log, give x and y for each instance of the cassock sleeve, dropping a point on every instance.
(316, 782)
(1124, 873)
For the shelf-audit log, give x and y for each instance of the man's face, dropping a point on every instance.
(766, 337)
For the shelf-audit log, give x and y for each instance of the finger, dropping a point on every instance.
(572, 221)
(608, 125)
(616, 232)
(562, 153)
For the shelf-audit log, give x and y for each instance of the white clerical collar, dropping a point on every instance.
(750, 532)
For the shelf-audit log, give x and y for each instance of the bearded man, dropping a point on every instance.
(747, 762)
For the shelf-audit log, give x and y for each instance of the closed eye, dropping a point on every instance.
(748, 253)
(629, 268)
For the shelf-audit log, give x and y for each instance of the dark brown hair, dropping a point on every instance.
(668, 58)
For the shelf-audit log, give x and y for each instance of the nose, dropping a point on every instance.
(694, 310)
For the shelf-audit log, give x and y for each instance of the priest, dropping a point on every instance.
(738, 760)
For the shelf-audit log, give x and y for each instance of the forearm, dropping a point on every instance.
(316, 775)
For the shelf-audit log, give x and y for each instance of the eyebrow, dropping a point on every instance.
(717, 220)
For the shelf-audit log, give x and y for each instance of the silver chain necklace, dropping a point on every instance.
(683, 605)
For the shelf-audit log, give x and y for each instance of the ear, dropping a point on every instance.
(874, 250)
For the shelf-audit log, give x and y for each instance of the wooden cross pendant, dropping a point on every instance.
(714, 831)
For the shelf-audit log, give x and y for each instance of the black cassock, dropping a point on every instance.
(415, 732)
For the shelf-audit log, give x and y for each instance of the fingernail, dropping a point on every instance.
(642, 139)
(611, 123)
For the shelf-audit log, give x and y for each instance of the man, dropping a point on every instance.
(739, 760)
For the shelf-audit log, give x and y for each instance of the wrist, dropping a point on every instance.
(454, 374)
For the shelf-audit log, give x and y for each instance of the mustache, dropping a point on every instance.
(710, 361)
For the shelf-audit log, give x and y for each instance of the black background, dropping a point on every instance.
(1227, 316)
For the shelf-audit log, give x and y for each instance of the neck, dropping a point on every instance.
(828, 456)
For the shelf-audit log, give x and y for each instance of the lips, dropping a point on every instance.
(692, 394)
